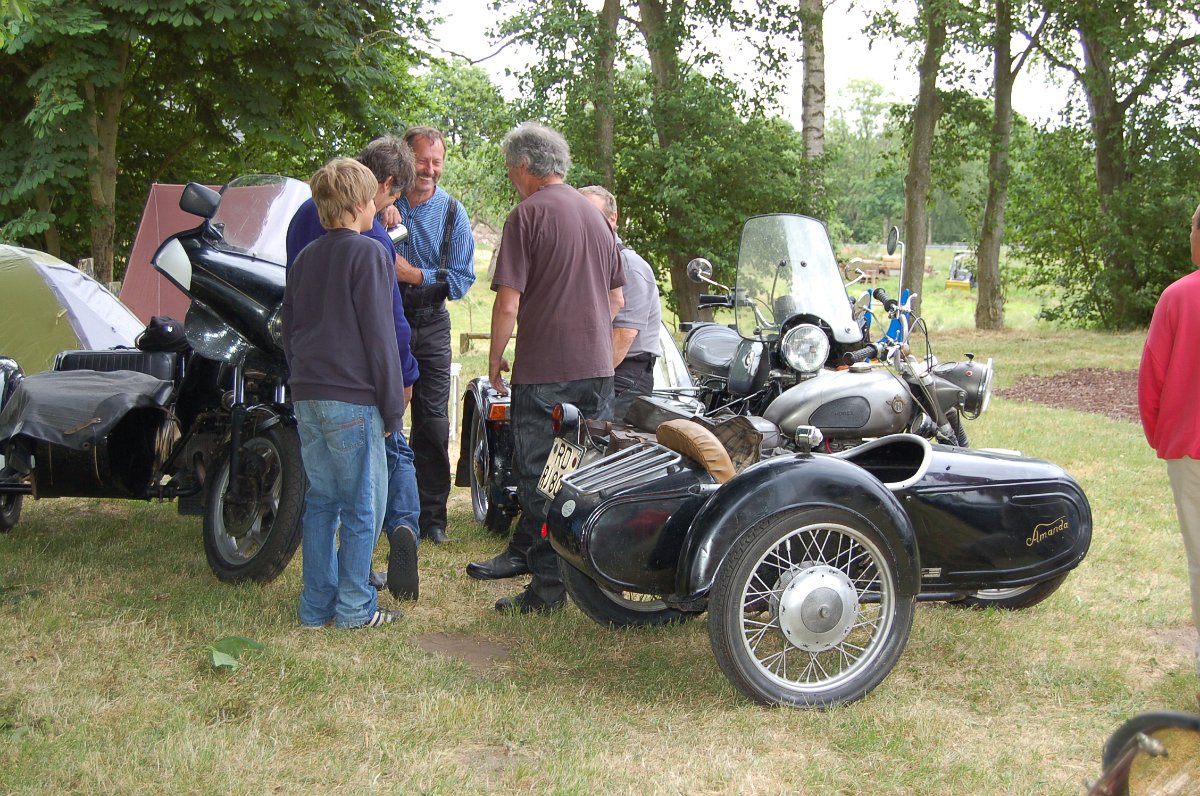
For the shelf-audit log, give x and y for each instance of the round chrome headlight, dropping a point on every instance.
(805, 348)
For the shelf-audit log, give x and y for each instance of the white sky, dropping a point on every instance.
(849, 55)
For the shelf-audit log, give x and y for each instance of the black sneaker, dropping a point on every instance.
(379, 619)
(402, 579)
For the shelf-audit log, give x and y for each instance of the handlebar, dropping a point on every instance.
(870, 351)
(714, 300)
(883, 298)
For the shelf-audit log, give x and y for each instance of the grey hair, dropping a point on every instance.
(538, 148)
(610, 201)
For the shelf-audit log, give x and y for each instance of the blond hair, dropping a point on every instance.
(339, 188)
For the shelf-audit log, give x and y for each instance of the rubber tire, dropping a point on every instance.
(10, 511)
(481, 466)
(1013, 599)
(749, 556)
(279, 541)
(608, 608)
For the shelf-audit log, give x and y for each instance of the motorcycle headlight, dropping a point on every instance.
(805, 348)
(275, 326)
(974, 379)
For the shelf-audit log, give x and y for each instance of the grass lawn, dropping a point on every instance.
(107, 610)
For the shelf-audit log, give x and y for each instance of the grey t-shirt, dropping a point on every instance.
(642, 310)
(561, 256)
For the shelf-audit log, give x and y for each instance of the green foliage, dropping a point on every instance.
(1068, 241)
(206, 90)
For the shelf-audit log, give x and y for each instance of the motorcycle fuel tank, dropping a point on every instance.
(859, 402)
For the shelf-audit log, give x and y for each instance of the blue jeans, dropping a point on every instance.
(342, 448)
(403, 502)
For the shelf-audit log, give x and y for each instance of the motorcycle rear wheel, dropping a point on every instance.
(1013, 599)
(254, 537)
(487, 509)
(808, 609)
(10, 511)
(616, 609)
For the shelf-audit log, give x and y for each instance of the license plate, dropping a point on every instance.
(564, 459)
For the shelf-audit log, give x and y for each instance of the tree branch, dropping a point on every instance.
(1154, 70)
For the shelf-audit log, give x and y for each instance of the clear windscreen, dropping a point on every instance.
(786, 267)
(254, 214)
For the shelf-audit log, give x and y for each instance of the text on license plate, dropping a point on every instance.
(564, 458)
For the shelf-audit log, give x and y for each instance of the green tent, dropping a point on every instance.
(47, 306)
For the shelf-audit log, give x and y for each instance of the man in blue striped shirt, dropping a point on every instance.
(435, 263)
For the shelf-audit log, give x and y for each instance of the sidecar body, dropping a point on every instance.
(809, 564)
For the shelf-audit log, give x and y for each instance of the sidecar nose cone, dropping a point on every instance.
(817, 608)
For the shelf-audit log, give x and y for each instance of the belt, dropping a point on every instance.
(645, 356)
(418, 315)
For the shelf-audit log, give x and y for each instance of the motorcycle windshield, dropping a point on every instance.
(254, 214)
(786, 267)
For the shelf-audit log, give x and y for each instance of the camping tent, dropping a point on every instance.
(144, 290)
(47, 306)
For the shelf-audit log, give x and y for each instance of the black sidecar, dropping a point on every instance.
(809, 565)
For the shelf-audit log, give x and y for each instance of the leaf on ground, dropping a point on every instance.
(224, 653)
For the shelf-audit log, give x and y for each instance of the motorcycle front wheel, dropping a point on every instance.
(1013, 599)
(10, 511)
(807, 609)
(252, 527)
(616, 609)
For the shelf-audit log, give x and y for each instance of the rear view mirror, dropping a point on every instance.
(893, 240)
(699, 270)
(199, 200)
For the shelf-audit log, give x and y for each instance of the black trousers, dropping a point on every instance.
(532, 440)
(430, 437)
(633, 377)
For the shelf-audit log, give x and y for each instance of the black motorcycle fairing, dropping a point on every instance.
(248, 291)
(778, 484)
(991, 520)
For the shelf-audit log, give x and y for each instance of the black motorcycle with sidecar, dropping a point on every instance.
(809, 564)
(208, 424)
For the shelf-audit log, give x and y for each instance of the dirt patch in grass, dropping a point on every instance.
(1112, 393)
(478, 653)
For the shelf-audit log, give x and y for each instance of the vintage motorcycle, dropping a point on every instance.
(800, 351)
(807, 563)
(209, 425)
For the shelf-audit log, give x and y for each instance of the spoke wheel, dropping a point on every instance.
(806, 609)
(481, 466)
(1013, 599)
(485, 500)
(252, 527)
(616, 609)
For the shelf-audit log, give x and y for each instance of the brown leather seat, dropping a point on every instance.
(699, 444)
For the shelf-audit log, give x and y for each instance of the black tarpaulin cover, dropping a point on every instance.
(74, 408)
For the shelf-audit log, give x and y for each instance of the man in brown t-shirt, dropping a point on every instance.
(558, 278)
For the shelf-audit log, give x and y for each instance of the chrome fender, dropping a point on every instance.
(785, 482)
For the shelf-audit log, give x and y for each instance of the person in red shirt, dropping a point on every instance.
(1168, 404)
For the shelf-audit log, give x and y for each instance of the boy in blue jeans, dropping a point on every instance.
(347, 388)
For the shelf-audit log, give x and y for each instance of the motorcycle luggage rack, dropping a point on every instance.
(631, 464)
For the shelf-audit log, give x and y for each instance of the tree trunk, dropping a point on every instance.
(53, 241)
(105, 114)
(917, 180)
(662, 43)
(605, 90)
(812, 21)
(1107, 117)
(989, 311)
